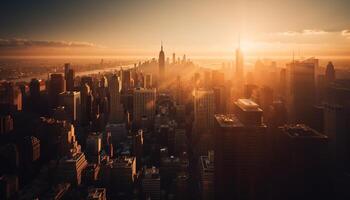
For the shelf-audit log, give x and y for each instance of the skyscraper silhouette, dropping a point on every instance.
(161, 63)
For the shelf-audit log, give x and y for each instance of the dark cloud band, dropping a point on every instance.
(16, 42)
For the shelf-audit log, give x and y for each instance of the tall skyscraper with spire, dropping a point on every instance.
(161, 62)
(239, 62)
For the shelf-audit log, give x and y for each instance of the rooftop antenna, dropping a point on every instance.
(161, 45)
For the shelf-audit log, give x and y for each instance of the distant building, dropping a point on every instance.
(116, 114)
(9, 157)
(301, 90)
(144, 103)
(330, 73)
(204, 106)
(30, 149)
(8, 186)
(138, 147)
(72, 103)
(151, 184)
(126, 80)
(70, 168)
(238, 76)
(6, 124)
(96, 194)
(56, 138)
(148, 81)
(93, 147)
(69, 77)
(123, 173)
(206, 176)
(118, 132)
(161, 65)
(10, 97)
(90, 174)
(57, 85)
(86, 104)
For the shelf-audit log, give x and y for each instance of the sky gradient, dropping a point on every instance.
(203, 27)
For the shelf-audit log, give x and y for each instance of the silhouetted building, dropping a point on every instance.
(70, 167)
(144, 104)
(204, 106)
(8, 186)
(240, 153)
(148, 81)
(151, 184)
(330, 73)
(57, 85)
(301, 167)
(30, 150)
(96, 194)
(161, 65)
(126, 80)
(116, 108)
(9, 158)
(301, 90)
(6, 124)
(123, 174)
(10, 97)
(69, 77)
(206, 176)
(93, 147)
(86, 104)
(72, 104)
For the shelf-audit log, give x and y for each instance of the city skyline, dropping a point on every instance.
(175, 100)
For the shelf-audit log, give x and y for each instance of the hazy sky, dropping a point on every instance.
(203, 27)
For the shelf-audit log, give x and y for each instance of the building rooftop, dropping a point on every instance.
(248, 105)
(301, 131)
(228, 120)
(97, 193)
(69, 93)
(152, 172)
(206, 165)
(124, 162)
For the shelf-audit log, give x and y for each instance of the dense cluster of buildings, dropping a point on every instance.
(172, 130)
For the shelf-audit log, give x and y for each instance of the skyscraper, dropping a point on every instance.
(240, 152)
(161, 64)
(148, 81)
(239, 73)
(174, 58)
(204, 106)
(116, 108)
(69, 77)
(144, 104)
(330, 73)
(126, 80)
(300, 163)
(301, 90)
(57, 85)
(86, 104)
(72, 104)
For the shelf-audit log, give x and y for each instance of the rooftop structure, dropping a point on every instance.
(248, 105)
(302, 131)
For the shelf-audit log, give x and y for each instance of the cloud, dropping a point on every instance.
(18, 43)
(346, 33)
(305, 32)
